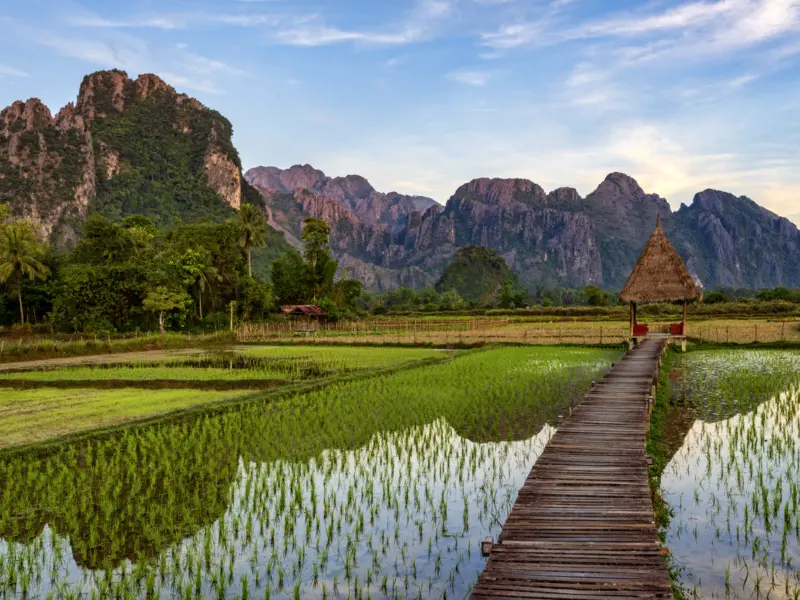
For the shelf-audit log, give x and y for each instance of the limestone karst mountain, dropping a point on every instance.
(126, 146)
(556, 238)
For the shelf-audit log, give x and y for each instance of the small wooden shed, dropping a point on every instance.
(660, 275)
(306, 316)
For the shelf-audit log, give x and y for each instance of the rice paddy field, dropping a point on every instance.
(733, 480)
(374, 484)
(70, 396)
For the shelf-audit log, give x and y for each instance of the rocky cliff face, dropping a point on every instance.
(353, 192)
(734, 242)
(46, 165)
(556, 238)
(121, 136)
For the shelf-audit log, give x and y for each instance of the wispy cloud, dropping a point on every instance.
(417, 26)
(178, 66)
(467, 77)
(11, 72)
(724, 24)
(179, 21)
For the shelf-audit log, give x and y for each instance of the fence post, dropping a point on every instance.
(755, 337)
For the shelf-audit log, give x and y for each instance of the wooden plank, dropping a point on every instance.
(583, 525)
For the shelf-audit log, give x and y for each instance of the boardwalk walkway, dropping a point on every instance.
(583, 524)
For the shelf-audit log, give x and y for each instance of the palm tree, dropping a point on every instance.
(20, 256)
(205, 278)
(253, 231)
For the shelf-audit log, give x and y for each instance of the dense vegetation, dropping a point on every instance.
(479, 274)
(132, 276)
(162, 174)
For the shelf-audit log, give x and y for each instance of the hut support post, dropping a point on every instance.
(633, 317)
(684, 317)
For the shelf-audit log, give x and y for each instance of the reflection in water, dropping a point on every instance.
(734, 481)
(401, 517)
(365, 489)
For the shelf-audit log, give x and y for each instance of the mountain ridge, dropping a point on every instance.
(557, 237)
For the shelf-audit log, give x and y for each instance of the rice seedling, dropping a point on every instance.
(380, 487)
(38, 404)
(734, 482)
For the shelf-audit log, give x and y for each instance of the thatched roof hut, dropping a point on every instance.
(660, 274)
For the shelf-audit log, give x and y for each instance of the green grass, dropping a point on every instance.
(30, 416)
(134, 374)
(344, 356)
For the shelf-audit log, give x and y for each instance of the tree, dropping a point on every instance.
(511, 297)
(253, 232)
(162, 299)
(451, 300)
(198, 273)
(477, 273)
(290, 279)
(716, 298)
(317, 253)
(20, 256)
(596, 296)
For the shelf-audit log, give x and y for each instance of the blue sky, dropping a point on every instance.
(420, 96)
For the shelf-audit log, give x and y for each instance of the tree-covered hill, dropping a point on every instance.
(476, 273)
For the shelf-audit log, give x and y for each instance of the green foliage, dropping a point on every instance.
(21, 255)
(161, 147)
(162, 299)
(780, 294)
(596, 296)
(300, 279)
(317, 254)
(290, 279)
(477, 274)
(715, 298)
(253, 231)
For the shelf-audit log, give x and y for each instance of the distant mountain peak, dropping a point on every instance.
(621, 184)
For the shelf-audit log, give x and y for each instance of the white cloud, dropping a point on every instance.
(474, 78)
(322, 35)
(11, 72)
(179, 21)
(717, 26)
(177, 66)
(419, 25)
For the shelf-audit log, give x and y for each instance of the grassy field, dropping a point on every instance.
(30, 416)
(75, 398)
(517, 330)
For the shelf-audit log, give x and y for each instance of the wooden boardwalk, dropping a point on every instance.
(583, 525)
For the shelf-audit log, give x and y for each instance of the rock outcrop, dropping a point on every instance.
(118, 138)
(353, 192)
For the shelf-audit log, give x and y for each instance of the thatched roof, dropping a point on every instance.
(660, 274)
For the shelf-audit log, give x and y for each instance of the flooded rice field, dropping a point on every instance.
(373, 488)
(734, 479)
(62, 397)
